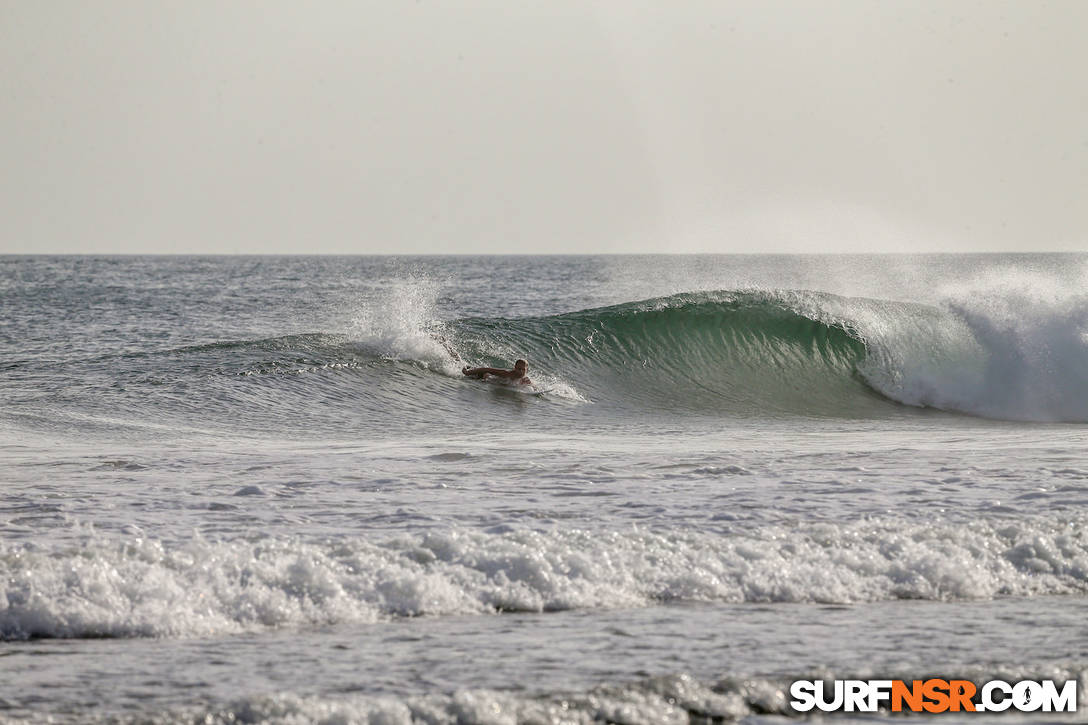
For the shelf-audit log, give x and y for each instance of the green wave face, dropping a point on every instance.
(738, 353)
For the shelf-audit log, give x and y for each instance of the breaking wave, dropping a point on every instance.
(1007, 357)
(726, 353)
(137, 587)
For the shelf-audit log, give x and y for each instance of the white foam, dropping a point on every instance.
(1036, 345)
(122, 587)
(556, 388)
(1010, 347)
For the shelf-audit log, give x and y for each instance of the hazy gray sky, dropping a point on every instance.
(557, 126)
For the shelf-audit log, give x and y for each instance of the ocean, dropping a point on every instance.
(259, 489)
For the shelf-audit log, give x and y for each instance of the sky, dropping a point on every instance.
(558, 126)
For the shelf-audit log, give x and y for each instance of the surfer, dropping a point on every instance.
(516, 375)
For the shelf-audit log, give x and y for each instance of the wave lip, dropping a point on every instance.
(116, 587)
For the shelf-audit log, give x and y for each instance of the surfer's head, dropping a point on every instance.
(521, 367)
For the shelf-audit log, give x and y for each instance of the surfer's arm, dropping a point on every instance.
(480, 372)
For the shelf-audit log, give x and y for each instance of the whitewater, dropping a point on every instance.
(259, 489)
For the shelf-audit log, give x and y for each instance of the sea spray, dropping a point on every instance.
(400, 324)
